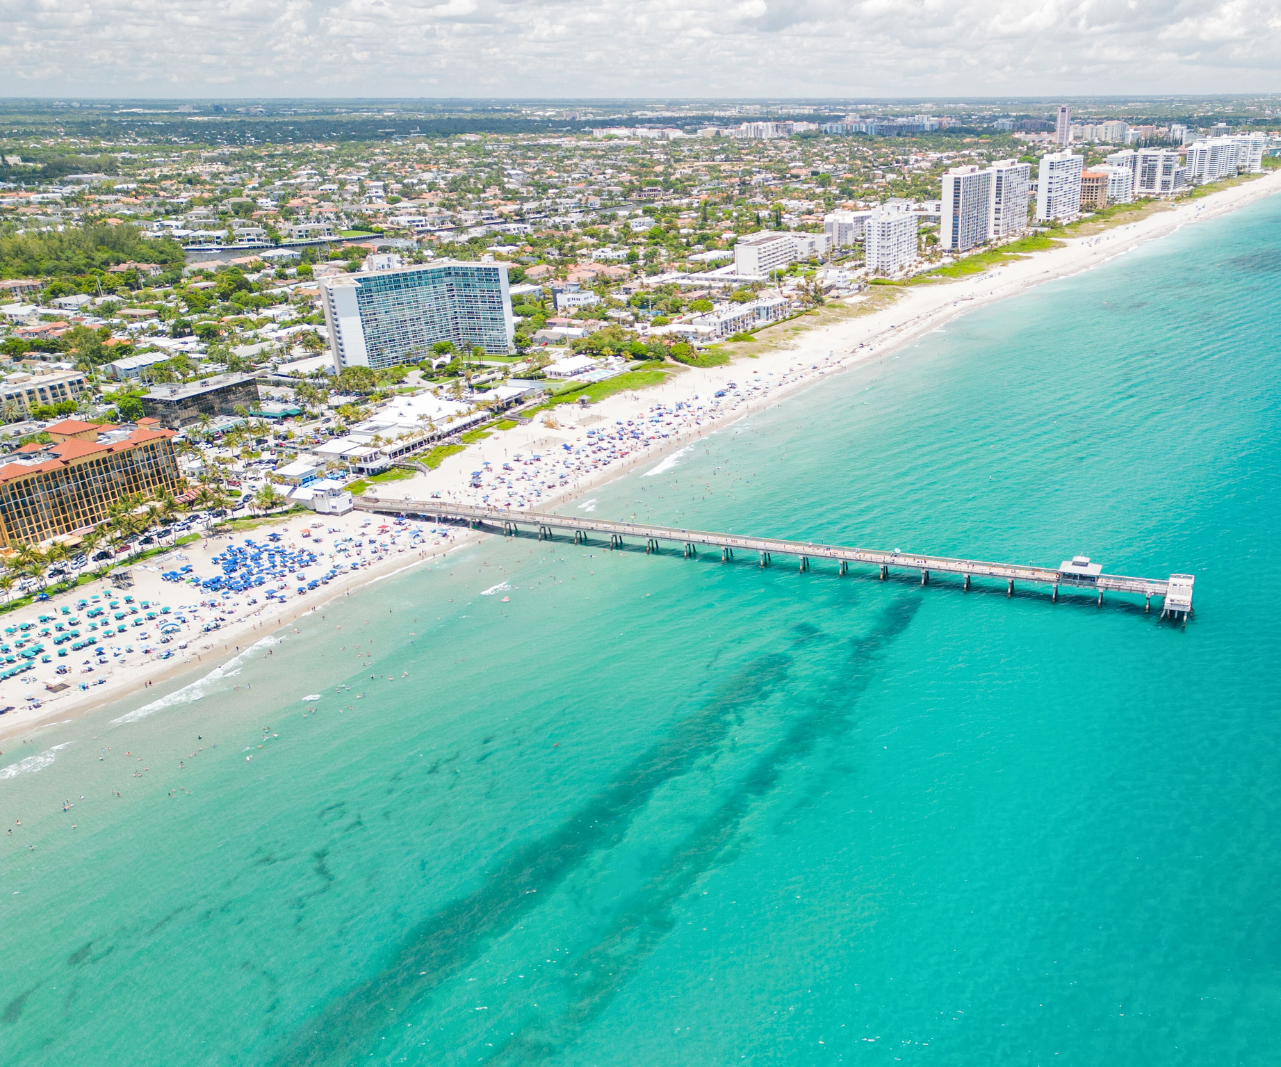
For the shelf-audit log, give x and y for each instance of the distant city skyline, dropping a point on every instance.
(533, 48)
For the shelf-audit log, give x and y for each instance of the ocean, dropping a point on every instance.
(554, 804)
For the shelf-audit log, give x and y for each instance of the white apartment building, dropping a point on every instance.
(844, 228)
(1111, 132)
(1125, 157)
(1157, 172)
(967, 208)
(30, 390)
(1212, 158)
(1250, 149)
(1063, 129)
(757, 254)
(1120, 183)
(1008, 206)
(1058, 189)
(889, 244)
(730, 319)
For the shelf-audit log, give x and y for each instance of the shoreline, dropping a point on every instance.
(794, 364)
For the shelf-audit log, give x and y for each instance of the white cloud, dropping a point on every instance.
(703, 48)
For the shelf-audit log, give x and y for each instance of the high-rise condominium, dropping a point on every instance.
(1010, 180)
(889, 244)
(1063, 130)
(1058, 189)
(381, 318)
(967, 208)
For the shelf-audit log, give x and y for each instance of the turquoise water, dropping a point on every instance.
(678, 812)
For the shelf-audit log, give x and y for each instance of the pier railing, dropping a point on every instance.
(1175, 591)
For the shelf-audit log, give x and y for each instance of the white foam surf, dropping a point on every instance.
(201, 687)
(668, 463)
(37, 762)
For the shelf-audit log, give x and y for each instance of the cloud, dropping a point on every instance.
(636, 48)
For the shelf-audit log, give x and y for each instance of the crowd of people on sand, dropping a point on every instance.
(192, 602)
(555, 468)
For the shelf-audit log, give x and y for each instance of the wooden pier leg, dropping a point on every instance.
(925, 577)
(764, 559)
(844, 568)
(1100, 603)
(724, 555)
(1009, 589)
(1054, 593)
(885, 572)
(1147, 607)
(966, 587)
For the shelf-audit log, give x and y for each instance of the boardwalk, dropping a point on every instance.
(1078, 573)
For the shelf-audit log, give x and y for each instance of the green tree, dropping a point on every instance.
(357, 380)
(129, 408)
(267, 498)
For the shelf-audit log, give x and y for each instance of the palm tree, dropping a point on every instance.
(6, 585)
(166, 509)
(28, 558)
(56, 554)
(267, 498)
(90, 540)
(37, 567)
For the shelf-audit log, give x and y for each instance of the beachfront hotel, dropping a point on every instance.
(50, 490)
(380, 318)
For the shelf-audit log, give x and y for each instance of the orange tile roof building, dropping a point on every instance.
(48, 490)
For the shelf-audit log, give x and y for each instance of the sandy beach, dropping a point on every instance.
(537, 466)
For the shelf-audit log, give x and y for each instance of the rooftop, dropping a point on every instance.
(203, 385)
(34, 458)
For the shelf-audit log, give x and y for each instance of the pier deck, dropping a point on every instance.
(1175, 591)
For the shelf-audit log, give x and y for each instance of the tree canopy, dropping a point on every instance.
(75, 251)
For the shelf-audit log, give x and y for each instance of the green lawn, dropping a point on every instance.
(993, 257)
(646, 375)
(237, 525)
(439, 454)
(1214, 187)
(714, 356)
(478, 434)
(396, 474)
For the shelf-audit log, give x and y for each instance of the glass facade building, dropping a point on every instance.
(381, 318)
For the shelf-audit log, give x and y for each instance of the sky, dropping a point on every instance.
(637, 48)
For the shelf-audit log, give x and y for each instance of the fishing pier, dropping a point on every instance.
(1077, 573)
